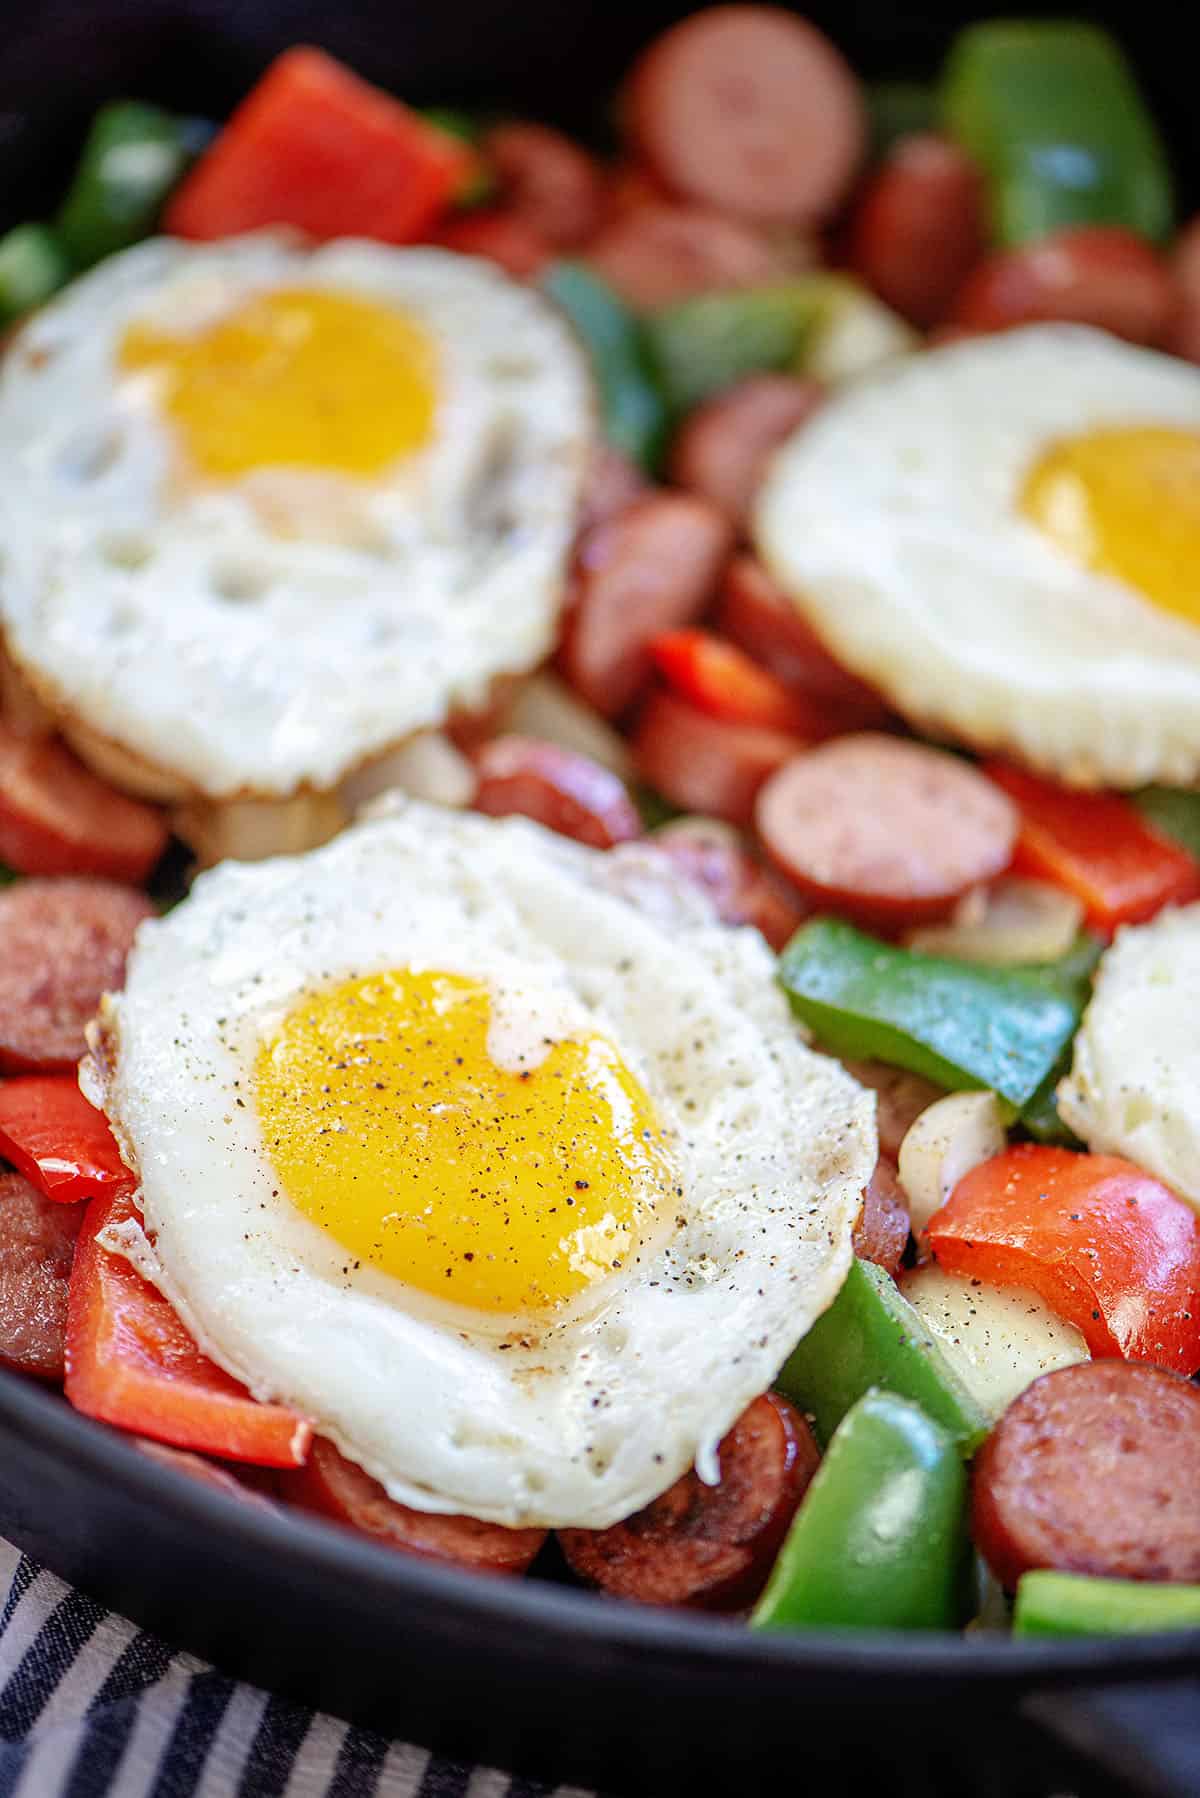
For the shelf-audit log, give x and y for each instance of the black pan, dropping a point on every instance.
(536, 1675)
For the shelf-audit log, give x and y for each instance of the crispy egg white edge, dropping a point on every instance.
(1134, 1084)
(891, 520)
(590, 1420)
(113, 607)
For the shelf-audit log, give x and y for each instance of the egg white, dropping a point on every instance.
(174, 624)
(1134, 1085)
(891, 518)
(580, 1420)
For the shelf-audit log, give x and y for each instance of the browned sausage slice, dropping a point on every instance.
(881, 1233)
(560, 788)
(722, 450)
(1093, 1469)
(548, 181)
(712, 855)
(651, 568)
(710, 1547)
(62, 944)
(57, 817)
(1098, 275)
(758, 615)
(335, 1487)
(919, 226)
(1183, 338)
(37, 1246)
(613, 482)
(660, 254)
(751, 110)
(885, 830)
(900, 1098)
(706, 764)
(211, 1473)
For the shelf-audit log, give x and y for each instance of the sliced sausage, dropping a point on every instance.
(900, 1098)
(560, 788)
(1183, 337)
(919, 227)
(723, 447)
(708, 1547)
(885, 830)
(333, 1486)
(1093, 1469)
(501, 235)
(751, 110)
(549, 182)
(706, 764)
(659, 254)
(882, 1231)
(1098, 275)
(757, 614)
(37, 1245)
(612, 483)
(57, 818)
(712, 855)
(651, 568)
(62, 944)
(253, 1485)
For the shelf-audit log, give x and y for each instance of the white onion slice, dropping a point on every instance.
(1012, 921)
(249, 830)
(427, 766)
(998, 1338)
(946, 1142)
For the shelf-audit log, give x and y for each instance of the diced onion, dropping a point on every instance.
(1012, 921)
(427, 767)
(249, 830)
(545, 708)
(998, 1338)
(855, 332)
(947, 1141)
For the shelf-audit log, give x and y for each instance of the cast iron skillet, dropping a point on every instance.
(536, 1675)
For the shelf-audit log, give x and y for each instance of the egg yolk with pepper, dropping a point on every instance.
(506, 1189)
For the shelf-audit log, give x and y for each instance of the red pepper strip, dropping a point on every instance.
(59, 1142)
(131, 1362)
(721, 679)
(1098, 847)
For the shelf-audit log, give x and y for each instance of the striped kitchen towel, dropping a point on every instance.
(93, 1707)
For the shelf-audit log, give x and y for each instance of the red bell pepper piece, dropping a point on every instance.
(131, 1362)
(722, 680)
(313, 146)
(1097, 846)
(1106, 1245)
(61, 1144)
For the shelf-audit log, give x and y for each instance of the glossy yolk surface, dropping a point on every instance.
(1126, 502)
(293, 377)
(503, 1189)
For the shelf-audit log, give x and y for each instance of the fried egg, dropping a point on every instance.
(499, 1158)
(1135, 1077)
(266, 511)
(1003, 535)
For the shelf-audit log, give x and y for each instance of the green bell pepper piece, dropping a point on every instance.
(896, 109)
(133, 156)
(33, 265)
(879, 1541)
(1052, 113)
(1073, 1604)
(6, 876)
(632, 409)
(1174, 812)
(872, 1337)
(959, 1023)
(700, 345)
(479, 184)
(1071, 976)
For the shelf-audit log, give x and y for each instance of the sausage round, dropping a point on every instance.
(919, 227)
(712, 855)
(659, 254)
(751, 110)
(1098, 275)
(882, 1231)
(37, 1246)
(900, 1098)
(757, 615)
(547, 181)
(560, 788)
(499, 234)
(888, 831)
(62, 944)
(252, 1485)
(722, 449)
(708, 1547)
(651, 568)
(1183, 337)
(1093, 1469)
(706, 764)
(612, 483)
(334, 1487)
(56, 817)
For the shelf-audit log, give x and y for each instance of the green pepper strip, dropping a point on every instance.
(133, 156)
(1174, 812)
(959, 1023)
(632, 409)
(33, 265)
(872, 1337)
(879, 1541)
(6, 876)
(1072, 1604)
(700, 345)
(1052, 113)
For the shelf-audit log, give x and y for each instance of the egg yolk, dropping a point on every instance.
(1126, 502)
(502, 1189)
(293, 377)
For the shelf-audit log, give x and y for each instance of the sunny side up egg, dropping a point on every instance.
(1003, 535)
(499, 1158)
(266, 511)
